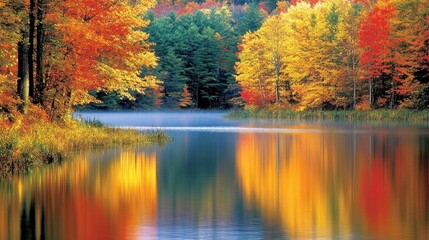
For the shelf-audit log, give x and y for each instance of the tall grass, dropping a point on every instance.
(44, 143)
(408, 116)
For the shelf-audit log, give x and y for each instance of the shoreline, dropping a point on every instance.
(420, 117)
(43, 144)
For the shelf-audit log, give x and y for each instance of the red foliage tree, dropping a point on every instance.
(98, 46)
(374, 39)
(192, 7)
(312, 2)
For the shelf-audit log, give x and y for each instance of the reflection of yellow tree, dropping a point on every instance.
(257, 170)
(319, 184)
(86, 199)
(130, 185)
(291, 189)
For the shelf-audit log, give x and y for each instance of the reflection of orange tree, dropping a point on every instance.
(25, 191)
(120, 199)
(10, 206)
(309, 184)
(85, 200)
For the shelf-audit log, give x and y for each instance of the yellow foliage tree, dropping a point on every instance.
(298, 53)
(259, 70)
(253, 72)
(9, 36)
(273, 38)
(310, 47)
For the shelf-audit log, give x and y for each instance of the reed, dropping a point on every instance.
(381, 116)
(22, 148)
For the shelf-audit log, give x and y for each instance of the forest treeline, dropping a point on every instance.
(295, 55)
(196, 44)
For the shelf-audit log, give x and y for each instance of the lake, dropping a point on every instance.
(230, 179)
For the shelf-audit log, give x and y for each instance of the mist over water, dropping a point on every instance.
(230, 179)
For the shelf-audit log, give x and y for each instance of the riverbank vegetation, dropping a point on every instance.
(370, 116)
(24, 147)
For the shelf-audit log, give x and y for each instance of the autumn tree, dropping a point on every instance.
(375, 41)
(101, 46)
(350, 51)
(328, 46)
(273, 33)
(254, 71)
(66, 48)
(261, 61)
(10, 22)
(312, 51)
(186, 98)
(312, 62)
(408, 53)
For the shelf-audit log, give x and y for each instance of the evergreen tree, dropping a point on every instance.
(198, 50)
(251, 20)
(171, 71)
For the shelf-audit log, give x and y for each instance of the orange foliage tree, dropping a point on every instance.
(101, 47)
(392, 37)
(186, 100)
(77, 45)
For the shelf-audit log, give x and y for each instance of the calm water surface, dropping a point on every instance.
(225, 179)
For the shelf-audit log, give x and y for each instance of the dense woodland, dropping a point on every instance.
(296, 55)
(197, 47)
(56, 55)
(338, 54)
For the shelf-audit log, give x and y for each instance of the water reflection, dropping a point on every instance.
(197, 187)
(337, 185)
(354, 183)
(84, 199)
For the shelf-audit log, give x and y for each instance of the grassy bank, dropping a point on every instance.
(406, 116)
(24, 147)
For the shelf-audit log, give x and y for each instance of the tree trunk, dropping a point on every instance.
(198, 98)
(354, 79)
(23, 75)
(277, 65)
(370, 93)
(261, 90)
(40, 84)
(31, 48)
(392, 95)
